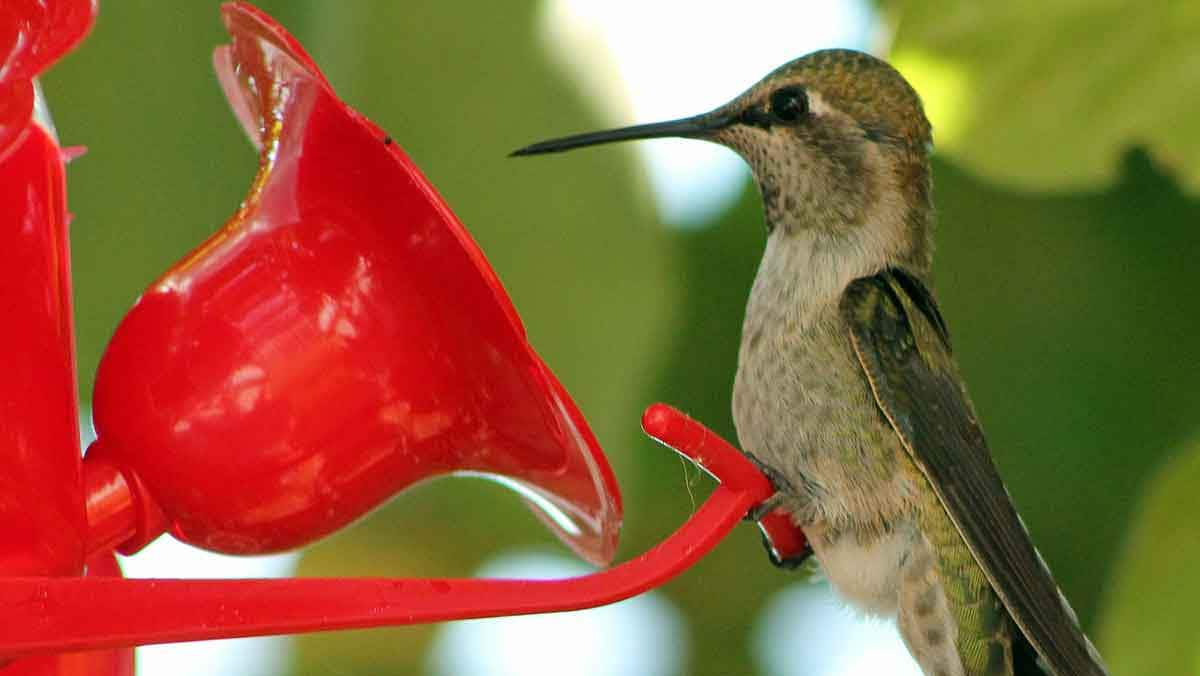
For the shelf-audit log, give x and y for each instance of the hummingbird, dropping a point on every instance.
(847, 392)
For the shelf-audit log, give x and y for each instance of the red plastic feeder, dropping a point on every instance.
(340, 339)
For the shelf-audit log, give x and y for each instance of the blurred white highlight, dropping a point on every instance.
(650, 61)
(805, 630)
(167, 557)
(644, 635)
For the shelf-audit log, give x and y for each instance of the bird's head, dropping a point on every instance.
(838, 143)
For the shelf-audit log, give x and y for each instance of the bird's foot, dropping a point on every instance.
(778, 481)
(765, 507)
(790, 562)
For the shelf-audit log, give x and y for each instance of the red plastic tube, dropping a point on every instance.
(67, 614)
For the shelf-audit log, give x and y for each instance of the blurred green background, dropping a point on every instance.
(1068, 248)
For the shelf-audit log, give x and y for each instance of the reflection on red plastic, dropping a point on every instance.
(42, 523)
(41, 513)
(784, 538)
(16, 109)
(341, 338)
(41, 516)
(115, 662)
(33, 35)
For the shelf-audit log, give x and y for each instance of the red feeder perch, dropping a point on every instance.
(340, 339)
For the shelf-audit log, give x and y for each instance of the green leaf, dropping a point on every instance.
(1047, 94)
(1149, 622)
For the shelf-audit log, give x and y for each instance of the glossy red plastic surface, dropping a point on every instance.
(41, 507)
(50, 614)
(341, 338)
(41, 499)
(120, 511)
(42, 524)
(786, 540)
(114, 662)
(33, 34)
(36, 33)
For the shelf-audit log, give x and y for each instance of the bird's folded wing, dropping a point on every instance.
(904, 349)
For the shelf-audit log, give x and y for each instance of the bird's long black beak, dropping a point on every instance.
(689, 127)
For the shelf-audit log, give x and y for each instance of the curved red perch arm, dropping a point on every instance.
(58, 614)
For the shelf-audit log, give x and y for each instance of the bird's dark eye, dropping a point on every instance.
(789, 104)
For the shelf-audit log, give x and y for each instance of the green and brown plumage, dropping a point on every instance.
(847, 391)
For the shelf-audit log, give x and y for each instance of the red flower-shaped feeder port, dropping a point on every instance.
(341, 338)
